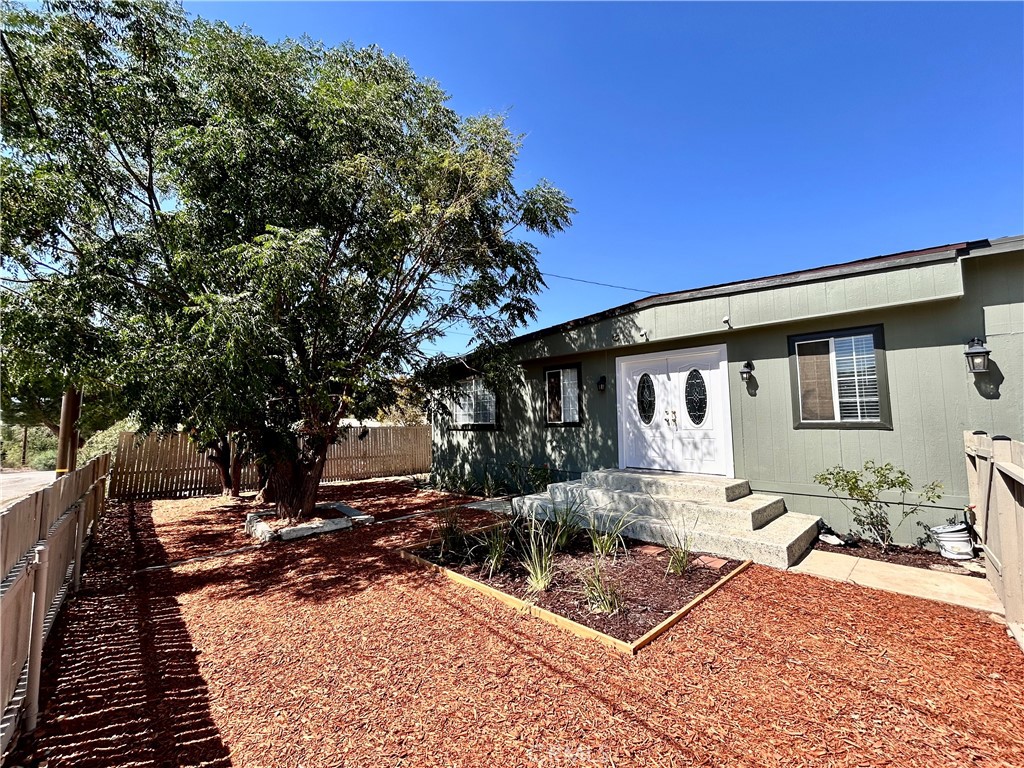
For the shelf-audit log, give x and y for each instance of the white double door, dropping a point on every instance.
(674, 411)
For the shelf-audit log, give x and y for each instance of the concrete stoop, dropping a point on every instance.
(720, 515)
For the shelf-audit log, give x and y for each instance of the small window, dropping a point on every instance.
(476, 406)
(839, 380)
(563, 395)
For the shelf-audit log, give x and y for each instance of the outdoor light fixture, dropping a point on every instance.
(977, 356)
(602, 384)
(746, 371)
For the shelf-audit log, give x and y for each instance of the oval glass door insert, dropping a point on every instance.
(696, 395)
(645, 399)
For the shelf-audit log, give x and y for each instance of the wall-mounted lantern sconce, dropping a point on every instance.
(746, 372)
(602, 384)
(977, 356)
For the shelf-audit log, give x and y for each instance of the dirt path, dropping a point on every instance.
(334, 652)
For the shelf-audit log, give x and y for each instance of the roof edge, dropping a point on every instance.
(814, 274)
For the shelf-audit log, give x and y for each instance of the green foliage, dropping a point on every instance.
(679, 556)
(538, 546)
(454, 481)
(568, 519)
(105, 441)
(493, 547)
(43, 461)
(607, 539)
(860, 491)
(88, 94)
(539, 476)
(449, 530)
(41, 448)
(601, 594)
(248, 237)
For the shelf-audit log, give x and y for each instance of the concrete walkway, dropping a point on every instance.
(968, 591)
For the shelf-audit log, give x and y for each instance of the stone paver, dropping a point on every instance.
(968, 591)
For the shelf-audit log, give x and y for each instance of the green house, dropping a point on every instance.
(708, 412)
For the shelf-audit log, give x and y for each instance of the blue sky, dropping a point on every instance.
(710, 142)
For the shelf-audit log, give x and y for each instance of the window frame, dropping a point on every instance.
(578, 367)
(884, 421)
(479, 426)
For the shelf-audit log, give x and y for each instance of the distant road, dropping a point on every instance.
(15, 484)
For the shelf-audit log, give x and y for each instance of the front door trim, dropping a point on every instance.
(622, 394)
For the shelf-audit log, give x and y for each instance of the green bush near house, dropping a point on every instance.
(860, 491)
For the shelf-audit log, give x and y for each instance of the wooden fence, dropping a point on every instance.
(995, 478)
(42, 538)
(170, 466)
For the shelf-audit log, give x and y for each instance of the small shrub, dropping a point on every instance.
(679, 556)
(539, 476)
(862, 488)
(448, 528)
(608, 540)
(602, 597)
(43, 461)
(538, 557)
(568, 521)
(494, 545)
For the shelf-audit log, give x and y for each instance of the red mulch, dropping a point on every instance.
(210, 524)
(649, 594)
(333, 651)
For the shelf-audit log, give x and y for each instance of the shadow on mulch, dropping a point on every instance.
(121, 685)
(317, 569)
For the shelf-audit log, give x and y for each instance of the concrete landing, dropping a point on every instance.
(966, 591)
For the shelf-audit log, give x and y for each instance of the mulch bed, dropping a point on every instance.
(649, 594)
(207, 525)
(333, 651)
(916, 557)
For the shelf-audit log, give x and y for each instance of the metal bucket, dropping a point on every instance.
(954, 541)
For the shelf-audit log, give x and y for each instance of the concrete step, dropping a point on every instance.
(674, 484)
(748, 512)
(778, 543)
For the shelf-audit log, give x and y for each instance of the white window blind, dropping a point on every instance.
(476, 404)
(838, 379)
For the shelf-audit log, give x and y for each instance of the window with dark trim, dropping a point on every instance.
(476, 406)
(839, 380)
(562, 387)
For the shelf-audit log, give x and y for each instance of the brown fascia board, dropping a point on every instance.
(815, 274)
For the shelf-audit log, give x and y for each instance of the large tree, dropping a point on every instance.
(341, 216)
(87, 93)
(280, 235)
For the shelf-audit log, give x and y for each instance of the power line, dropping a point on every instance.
(576, 280)
(605, 285)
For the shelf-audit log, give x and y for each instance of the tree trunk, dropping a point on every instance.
(295, 485)
(220, 455)
(236, 469)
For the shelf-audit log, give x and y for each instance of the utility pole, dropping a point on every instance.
(24, 446)
(67, 439)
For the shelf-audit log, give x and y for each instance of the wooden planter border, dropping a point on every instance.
(587, 633)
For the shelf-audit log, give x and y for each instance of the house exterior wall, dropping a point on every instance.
(932, 396)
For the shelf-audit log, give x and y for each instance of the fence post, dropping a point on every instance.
(82, 522)
(35, 648)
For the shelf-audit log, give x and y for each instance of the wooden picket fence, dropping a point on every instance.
(170, 466)
(42, 539)
(995, 480)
